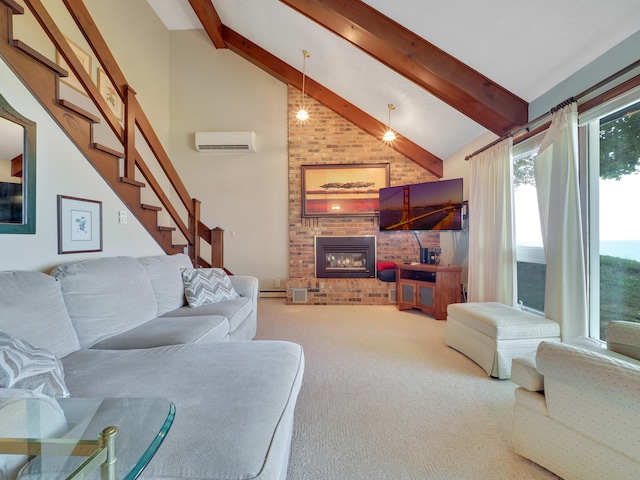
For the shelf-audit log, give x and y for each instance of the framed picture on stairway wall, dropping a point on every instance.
(110, 94)
(79, 225)
(85, 60)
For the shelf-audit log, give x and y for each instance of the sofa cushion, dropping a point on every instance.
(236, 311)
(166, 279)
(238, 396)
(170, 331)
(503, 322)
(204, 286)
(624, 338)
(32, 309)
(106, 296)
(525, 374)
(24, 366)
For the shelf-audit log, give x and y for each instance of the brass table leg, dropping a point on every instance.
(108, 441)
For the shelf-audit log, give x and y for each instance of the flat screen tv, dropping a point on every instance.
(422, 206)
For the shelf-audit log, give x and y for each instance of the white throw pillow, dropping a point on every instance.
(204, 286)
(27, 367)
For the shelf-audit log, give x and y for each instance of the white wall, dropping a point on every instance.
(246, 195)
(616, 59)
(140, 43)
(455, 245)
(62, 170)
(184, 85)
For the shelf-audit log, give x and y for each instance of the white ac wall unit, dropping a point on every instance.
(226, 142)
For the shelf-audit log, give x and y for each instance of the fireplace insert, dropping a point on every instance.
(345, 257)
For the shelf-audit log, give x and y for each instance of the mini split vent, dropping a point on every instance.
(226, 142)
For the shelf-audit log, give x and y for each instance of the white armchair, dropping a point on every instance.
(577, 408)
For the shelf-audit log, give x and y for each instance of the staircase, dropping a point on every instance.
(126, 171)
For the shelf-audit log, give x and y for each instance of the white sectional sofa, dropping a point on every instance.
(126, 302)
(577, 407)
(119, 328)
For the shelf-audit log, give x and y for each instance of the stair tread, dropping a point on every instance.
(110, 151)
(27, 50)
(166, 229)
(146, 206)
(131, 181)
(15, 7)
(80, 111)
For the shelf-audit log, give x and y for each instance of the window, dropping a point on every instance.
(613, 153)
(530, 260)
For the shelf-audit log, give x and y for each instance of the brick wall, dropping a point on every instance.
(327, 138)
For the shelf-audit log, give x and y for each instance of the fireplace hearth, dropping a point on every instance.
(345, 257)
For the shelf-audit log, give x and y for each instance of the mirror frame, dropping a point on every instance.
(28, 225)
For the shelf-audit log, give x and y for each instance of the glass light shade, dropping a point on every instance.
(302, 115)
(389, 136)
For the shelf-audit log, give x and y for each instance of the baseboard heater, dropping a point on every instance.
(273, 293)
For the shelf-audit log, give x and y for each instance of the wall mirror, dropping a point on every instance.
(17, 171)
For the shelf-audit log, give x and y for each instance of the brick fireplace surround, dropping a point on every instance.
(327, 138)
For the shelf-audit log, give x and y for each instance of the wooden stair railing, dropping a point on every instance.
(41, 76)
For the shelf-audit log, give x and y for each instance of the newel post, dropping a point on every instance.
(194, 222)
(217, 247)
(129, 132)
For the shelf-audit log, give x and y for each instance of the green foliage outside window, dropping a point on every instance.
(619, 148)
(620, 143)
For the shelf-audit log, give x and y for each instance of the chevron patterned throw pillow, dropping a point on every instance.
(27, 367)
(204, 286)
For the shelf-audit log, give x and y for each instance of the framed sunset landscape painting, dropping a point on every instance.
(342, 190)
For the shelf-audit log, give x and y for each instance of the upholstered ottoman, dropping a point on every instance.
(492, 334)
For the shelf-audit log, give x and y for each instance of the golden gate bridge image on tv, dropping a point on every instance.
(422, 206)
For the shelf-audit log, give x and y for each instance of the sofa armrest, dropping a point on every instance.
(246, 286)
(594, 394)
(624, 338)
(590, 370)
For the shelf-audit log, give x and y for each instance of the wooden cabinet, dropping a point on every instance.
(427, 287)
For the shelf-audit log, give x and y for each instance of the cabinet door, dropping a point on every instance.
(426, 296)
(408, 293)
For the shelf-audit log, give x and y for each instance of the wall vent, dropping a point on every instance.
(392, 295)
(226, 142)
(299, 295)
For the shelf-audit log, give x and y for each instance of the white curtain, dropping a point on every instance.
(556, 172)
(492, 262)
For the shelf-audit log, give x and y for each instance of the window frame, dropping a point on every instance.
(589, 171)
(527, 254)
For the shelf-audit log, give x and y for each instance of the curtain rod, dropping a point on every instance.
(526, 127)
(523, 128)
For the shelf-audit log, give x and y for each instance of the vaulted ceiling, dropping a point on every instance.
(452, 69)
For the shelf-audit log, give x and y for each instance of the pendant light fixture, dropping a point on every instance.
(389, 135)
(302, 114)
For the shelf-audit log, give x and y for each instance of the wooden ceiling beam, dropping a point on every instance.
(442, 75)
(210, 20)
(287, 74)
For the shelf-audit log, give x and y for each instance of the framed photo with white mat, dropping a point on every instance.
(79, 225)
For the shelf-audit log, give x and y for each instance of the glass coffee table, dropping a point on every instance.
(108, 438)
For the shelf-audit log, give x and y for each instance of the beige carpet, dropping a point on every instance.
(384, 398)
